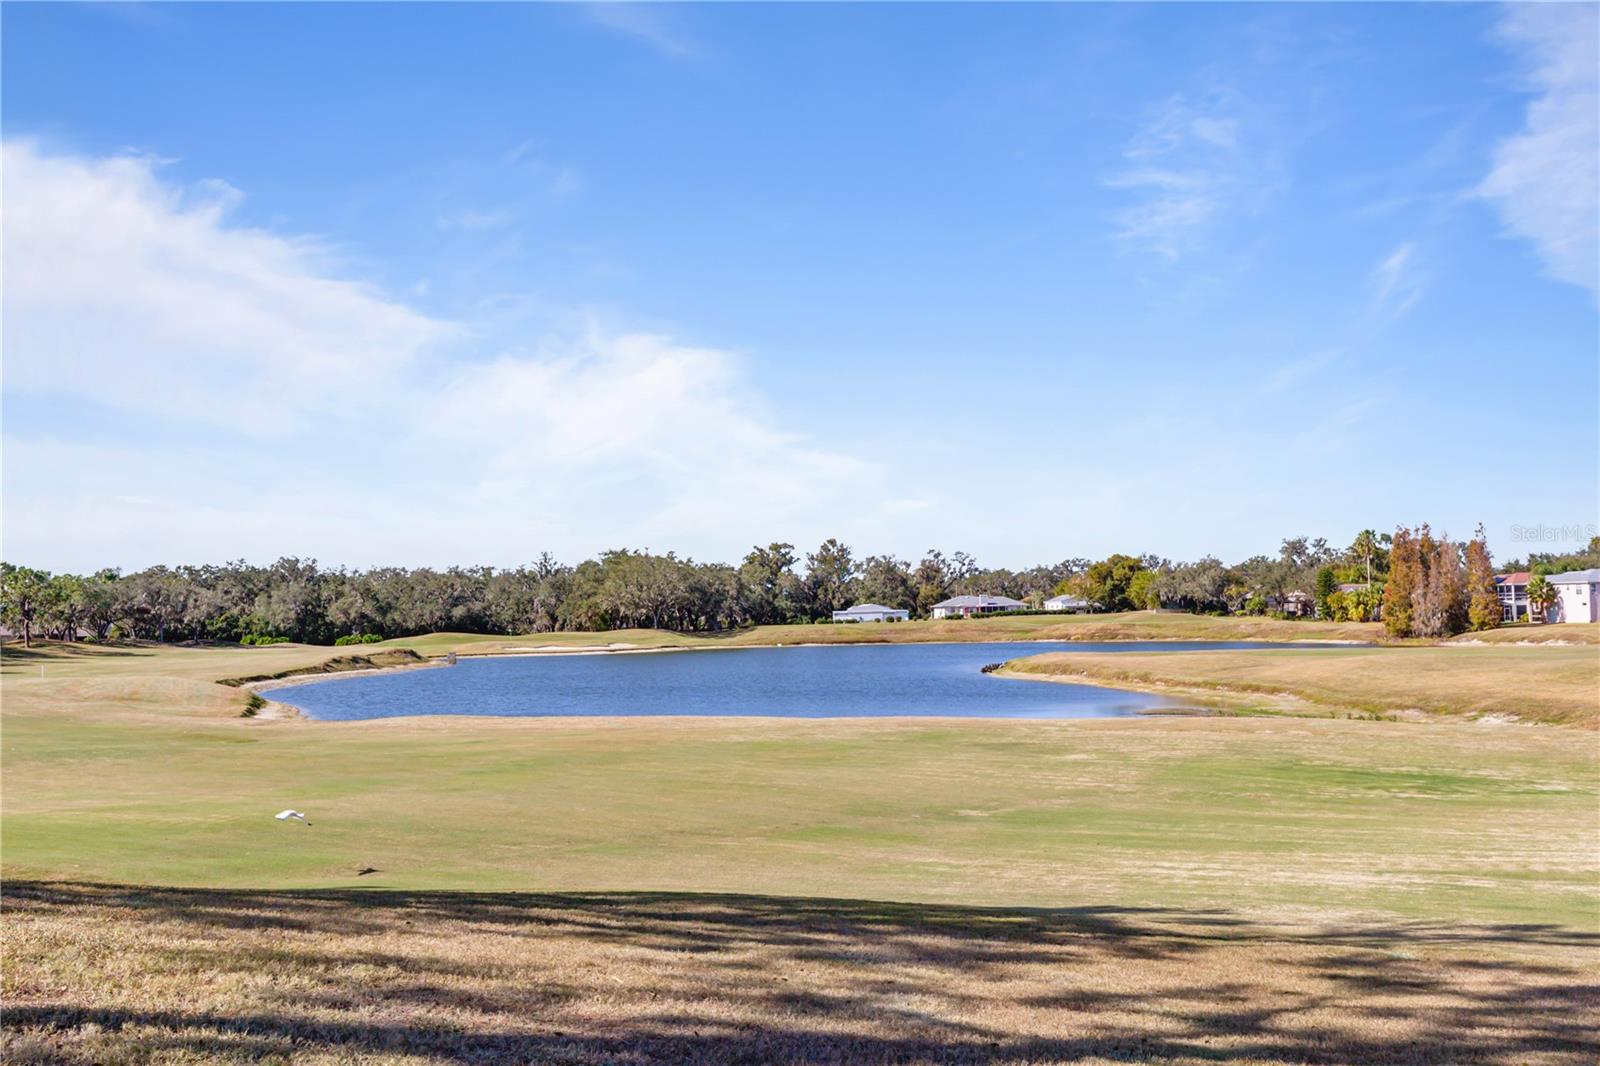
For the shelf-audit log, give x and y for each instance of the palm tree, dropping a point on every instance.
(1541, 594)
(1365, 547)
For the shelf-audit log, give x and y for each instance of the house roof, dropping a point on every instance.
(980, 601)
(1076, 600)
(1575, 577)
(1518, 578)
(868, 608)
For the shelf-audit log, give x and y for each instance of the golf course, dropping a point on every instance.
(1325, 862)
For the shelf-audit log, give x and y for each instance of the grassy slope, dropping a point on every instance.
(1528, 633)
(1543, 683)
(1272, 889)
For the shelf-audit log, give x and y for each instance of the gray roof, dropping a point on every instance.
(1575, 577)
(868, 608)
(1064, 598)
(980, 601)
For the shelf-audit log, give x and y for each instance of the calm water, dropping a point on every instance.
(828, 682)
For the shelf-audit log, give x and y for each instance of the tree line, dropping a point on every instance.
(1436, 587)
(622, 589)
(297, 600)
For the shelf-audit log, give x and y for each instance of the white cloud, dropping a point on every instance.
(1397, 282)
(137, 294)
(1184, 168)
(1546, 179)
(280, 408)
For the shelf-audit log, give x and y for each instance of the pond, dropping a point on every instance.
(858, 680)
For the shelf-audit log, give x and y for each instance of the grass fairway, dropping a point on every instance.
(669, 890)
(1543, 683)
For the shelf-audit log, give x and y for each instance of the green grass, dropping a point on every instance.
(1266, 890)
(153, 777)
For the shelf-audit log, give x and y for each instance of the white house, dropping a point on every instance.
(1066, 603)
(1577, 596)
(967, 606)
(871, 612)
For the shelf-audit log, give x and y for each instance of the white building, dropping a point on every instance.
(1066, 603)
(1577, 596)
(967, 606)
(871, 612)
(1513, 592)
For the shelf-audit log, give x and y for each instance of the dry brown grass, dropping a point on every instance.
(1529, 633)
(108, 975)
(1543, 683)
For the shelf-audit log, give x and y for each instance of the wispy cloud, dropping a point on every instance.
(132, 299)
(1546, 178)
(559, 180)
(642, 21)
(1296, 372)
(1397, 281)
(1184, 169)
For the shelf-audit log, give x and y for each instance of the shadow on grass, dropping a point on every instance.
(691, 978)
(52, 651)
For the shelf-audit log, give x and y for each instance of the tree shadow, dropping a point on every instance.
(53, 651)
(601, 977)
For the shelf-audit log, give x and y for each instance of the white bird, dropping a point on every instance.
(284, 816)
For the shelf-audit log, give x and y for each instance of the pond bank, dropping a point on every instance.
(1549, 684)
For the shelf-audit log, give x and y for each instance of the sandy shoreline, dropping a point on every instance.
(267, 684)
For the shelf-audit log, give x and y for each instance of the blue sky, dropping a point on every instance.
(435, 284)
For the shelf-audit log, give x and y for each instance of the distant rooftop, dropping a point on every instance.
(1518, 578)
(867, 608)
(980, 601)
(1575, 577)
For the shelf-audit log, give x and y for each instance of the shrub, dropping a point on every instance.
(357, 638)
(260, 639)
